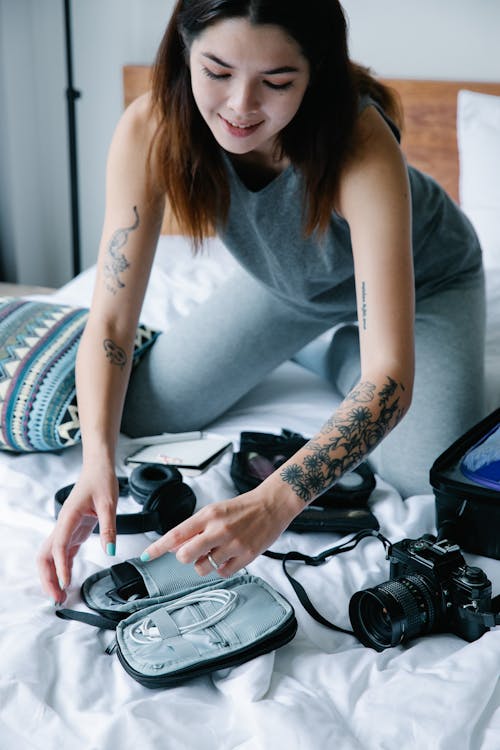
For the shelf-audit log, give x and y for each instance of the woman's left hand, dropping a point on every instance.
(233, 532)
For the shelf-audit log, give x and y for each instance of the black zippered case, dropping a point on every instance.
(172, 625)
(341, 509)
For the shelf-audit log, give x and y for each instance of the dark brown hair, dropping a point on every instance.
(186, 159)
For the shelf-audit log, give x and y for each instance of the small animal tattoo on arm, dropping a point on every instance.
(114, 353)
(117, 262)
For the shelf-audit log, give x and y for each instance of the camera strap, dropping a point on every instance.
(319, 559)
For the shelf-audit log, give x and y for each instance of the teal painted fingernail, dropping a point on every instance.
(61, 584)
(111, 549)
(145, 557)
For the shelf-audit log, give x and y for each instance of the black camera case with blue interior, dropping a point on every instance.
(466, 483)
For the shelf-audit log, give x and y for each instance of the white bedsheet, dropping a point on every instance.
(58, 689)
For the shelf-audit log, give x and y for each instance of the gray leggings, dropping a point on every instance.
(226, 346)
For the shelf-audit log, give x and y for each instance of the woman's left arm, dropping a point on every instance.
(374, 199)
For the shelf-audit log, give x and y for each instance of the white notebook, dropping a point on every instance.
(191, 457)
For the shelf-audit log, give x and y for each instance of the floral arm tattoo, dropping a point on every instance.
(117, 262)
(363, 419)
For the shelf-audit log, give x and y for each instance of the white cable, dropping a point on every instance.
(147, 631)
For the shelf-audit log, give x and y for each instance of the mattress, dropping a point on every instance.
(59, 689)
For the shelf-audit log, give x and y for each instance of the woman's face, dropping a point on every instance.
(248, 82)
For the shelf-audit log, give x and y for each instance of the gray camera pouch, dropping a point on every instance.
(213, 628)
(184, 626)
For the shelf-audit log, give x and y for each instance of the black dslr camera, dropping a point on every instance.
(431, 590)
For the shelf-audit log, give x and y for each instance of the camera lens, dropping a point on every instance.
(395, 611)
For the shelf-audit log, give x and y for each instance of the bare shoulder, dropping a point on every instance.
(373, 141)
(132, 145)
(376, 166)
(139, 120)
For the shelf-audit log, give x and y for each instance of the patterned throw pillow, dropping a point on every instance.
(38, 345)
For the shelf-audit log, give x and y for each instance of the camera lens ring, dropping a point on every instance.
(395, 611)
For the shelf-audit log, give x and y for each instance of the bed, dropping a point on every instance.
(57, 686)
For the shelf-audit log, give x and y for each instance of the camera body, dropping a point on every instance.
(431, 589)
(462, 592)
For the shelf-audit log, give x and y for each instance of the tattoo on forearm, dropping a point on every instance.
(364, 308)
(117, 262)
(358, 426)
(114, 353)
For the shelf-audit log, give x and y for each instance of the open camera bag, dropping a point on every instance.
(466, 483)
(172, 625)
(343, 508)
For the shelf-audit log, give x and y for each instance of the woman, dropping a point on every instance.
(259, 126)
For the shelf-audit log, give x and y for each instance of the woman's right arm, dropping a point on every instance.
(134, 210)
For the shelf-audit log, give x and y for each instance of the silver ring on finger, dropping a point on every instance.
(212, 562)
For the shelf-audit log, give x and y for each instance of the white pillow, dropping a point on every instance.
(478, 133)
(178, 281)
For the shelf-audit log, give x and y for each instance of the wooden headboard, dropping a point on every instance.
(430, 113)
(430, 118)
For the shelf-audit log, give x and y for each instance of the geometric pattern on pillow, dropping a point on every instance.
(38, 346)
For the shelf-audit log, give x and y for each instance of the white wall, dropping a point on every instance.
(449, 39)
(107, 35)
(456, 39)
(34, 228)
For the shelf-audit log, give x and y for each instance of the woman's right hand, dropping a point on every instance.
(92, 500)
(134, 211)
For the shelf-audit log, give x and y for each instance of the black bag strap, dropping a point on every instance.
(319, 559)
(97, 621)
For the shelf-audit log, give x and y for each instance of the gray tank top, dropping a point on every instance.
(264, 233)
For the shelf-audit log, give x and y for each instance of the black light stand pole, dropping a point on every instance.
(71, 96)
